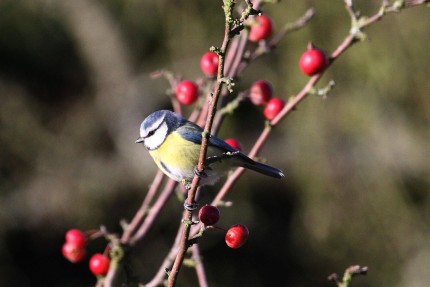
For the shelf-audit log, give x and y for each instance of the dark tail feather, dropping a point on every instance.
(264, 169)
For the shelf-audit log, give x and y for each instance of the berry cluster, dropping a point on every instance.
(187, 92)
(235, 236)
(312, 62)
(261, 94)
(260, 28)
(74, 247)
(74, 251)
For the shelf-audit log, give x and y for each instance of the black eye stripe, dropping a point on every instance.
(151, 133)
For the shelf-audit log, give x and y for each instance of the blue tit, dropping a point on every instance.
(174, 144)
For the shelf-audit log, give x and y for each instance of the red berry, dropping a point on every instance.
(209, 215)
(260, 93)
(72, 252)
(236, 236)
(99, 264)
(187, 92)
(261, 29)
(234, 143)
(209, 63)
(273, 107)
(77, 237)
(313, 61)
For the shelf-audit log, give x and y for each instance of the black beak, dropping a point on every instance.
(139, 140)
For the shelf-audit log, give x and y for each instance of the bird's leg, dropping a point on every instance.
(201, 174)
(190, 207)
(193, 206)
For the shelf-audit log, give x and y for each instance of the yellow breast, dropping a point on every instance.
(176, 157)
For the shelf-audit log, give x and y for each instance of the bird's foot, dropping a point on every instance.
(200, 173)
(190, 207)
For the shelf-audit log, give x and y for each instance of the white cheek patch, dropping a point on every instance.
(156, 139)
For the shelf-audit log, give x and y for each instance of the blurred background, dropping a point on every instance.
(75, 85)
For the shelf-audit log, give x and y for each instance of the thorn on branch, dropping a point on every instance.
(357, 270)
(117, 253)
(357, 22)
(357, 33)
(350, 272)
(248, 11)
(216, 50)
(382, 11)
(323, 92)
(229, 83)
(399, 4)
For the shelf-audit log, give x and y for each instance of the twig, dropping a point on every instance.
(349, 40)
(242, 42)
(161, 273)
(350, 272)
(268, 47)
(187, 221)
(292, 27)
(143, 210)
(347, 43)
(200, 269)
(154, 211)
(173, 82)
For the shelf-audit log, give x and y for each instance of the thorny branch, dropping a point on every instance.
(230, 23)
(232, 63)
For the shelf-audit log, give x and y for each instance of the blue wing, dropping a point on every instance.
(193, 133)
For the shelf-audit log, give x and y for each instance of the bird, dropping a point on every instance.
(174, 143)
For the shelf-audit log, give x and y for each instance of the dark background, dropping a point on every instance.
(75, 85)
